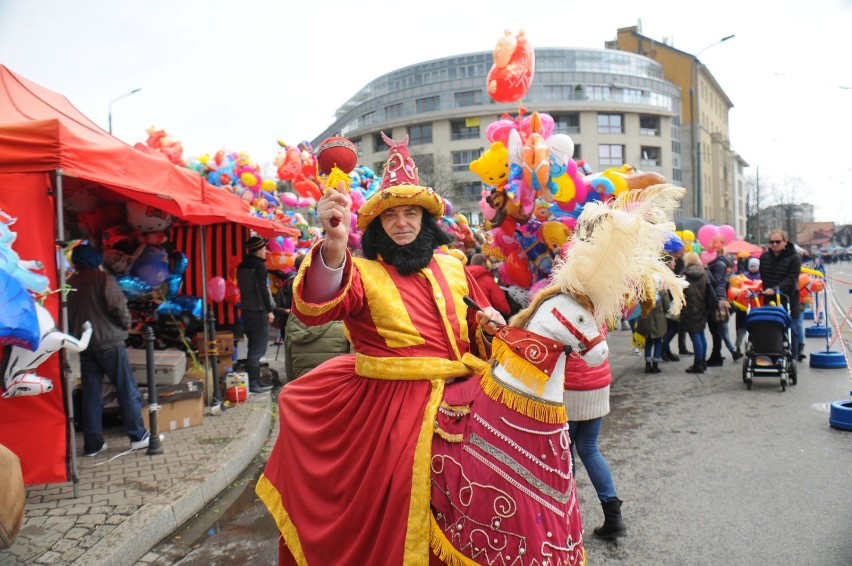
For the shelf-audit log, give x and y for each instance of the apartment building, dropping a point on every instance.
(713, 171)
(617, 106)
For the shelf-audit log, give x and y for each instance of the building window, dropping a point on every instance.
(428, 104)
(594, 92)
(379, 144)
(633, 95)
(435, 76)
(649, 125)
(566, 123)
(368, 118)
(468, 190)
(379, 168)
(462, 159)
(360, 145)
(650, 157)
(577, 153)
(420, 134)
(466, 129)
(610, 156)
(393, 111)
(557, 92)
(610, 124)
(468, 98)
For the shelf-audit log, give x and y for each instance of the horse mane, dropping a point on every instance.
(615, 252)
(522, 318)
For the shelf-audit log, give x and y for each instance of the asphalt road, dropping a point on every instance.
(710, 473)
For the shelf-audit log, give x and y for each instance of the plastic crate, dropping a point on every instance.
(169, 366)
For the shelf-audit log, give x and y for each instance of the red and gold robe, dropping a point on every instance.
(348, 481)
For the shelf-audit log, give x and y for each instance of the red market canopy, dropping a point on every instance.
(741, 246)
(41, 131)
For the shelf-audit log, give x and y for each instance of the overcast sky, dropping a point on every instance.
(241, 75)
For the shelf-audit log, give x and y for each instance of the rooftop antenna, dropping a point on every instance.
(639, 26)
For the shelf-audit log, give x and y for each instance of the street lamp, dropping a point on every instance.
(696, 124)
(134, 91)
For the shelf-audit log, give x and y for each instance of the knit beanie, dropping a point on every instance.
(85, 254)
(255, 243)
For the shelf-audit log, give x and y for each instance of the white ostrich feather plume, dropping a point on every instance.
(616, 250)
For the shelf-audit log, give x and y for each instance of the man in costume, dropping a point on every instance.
(349, 479)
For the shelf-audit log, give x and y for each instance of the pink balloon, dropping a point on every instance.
(728, 233)
(707, 257)
(706, 234)
(216, 288)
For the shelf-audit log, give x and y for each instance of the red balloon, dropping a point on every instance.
(307, 188)
(509, 82)
(232, 293)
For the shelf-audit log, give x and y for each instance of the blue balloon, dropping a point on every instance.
(133, 287)
(18, 317)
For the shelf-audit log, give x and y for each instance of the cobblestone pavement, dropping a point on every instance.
(127, 501)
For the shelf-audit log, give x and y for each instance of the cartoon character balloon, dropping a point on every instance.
(514, 64)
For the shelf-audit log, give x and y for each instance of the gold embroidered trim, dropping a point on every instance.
(455, 438)
(318, 309)
(415, 368)
(272, 499)
(455, 276)
(387, 310)
(419, 512)
(454, 410)
(523, 403)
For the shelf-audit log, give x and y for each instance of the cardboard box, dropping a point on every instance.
(224, 344)
(181, 405)
(169, 366)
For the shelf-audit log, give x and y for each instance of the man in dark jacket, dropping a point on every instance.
(98, 298)
(256, 307)
(779, 270)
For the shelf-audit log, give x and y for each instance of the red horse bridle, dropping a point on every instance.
(585, 343)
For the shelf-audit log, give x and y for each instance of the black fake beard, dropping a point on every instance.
(409, 258)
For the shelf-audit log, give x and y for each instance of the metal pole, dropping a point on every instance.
(64, 369)
(213, 351)
(109, 108)
(154, 446)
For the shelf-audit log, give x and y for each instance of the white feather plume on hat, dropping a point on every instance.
(616, 250)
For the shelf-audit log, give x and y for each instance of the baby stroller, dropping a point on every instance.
(768, 350)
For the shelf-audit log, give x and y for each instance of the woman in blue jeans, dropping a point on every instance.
(587, 402)
(693, 317)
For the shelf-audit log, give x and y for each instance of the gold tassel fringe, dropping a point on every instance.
(534, 409)
(522, 370)
(444, 550)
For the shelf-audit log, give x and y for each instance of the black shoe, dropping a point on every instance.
(693, 369)
(257, 388)
(665, 356)
(673, 357)
(684, 352)
(802, 357)
(711, 363)
(737, 355)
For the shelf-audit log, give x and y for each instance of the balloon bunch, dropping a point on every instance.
(713, 240)
(172, 149)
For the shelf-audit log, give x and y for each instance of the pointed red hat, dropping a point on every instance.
(400, 186)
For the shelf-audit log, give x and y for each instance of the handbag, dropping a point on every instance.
(723, 311)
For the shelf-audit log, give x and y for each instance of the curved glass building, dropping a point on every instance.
(615, 105)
